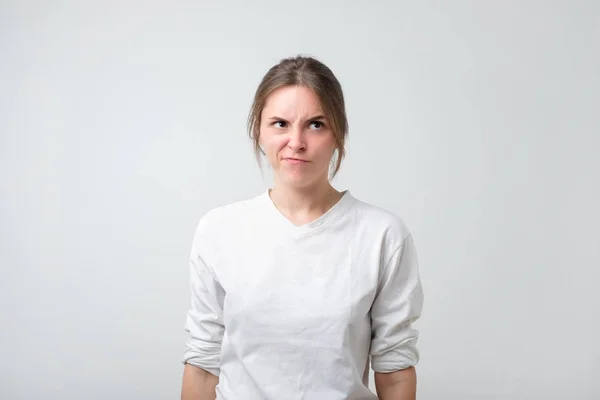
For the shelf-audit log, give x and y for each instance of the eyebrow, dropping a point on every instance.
(315, 118)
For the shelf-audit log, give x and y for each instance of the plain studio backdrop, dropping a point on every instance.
(122, 123)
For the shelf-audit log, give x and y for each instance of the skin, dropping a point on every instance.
(198, 384)
(299, 144)
(398, 385)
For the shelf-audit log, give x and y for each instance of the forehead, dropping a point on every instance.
(293, 102)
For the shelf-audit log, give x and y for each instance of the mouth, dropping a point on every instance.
(293, 160)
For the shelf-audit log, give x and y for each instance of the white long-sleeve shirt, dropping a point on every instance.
(281, 311)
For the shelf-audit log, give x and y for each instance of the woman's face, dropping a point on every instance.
(296, 137)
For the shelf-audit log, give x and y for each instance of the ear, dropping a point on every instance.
(258, 138)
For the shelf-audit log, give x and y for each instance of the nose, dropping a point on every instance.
(297, 141)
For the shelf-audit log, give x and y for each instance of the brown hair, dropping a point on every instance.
(315, 75)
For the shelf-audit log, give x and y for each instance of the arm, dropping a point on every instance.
(397, 305)
(204, 323)
(398, 385)
(198, 384)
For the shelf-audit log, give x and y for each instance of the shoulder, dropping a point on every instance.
(383, 221)
(225, 217)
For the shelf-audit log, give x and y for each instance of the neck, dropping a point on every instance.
(304, 203)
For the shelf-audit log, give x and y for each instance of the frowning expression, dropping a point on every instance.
(296, 136)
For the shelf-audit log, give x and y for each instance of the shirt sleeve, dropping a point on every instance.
(397, 305)
(204, 321)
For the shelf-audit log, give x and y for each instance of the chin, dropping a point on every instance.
(299, 180)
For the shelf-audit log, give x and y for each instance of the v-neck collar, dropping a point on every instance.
(290, 228)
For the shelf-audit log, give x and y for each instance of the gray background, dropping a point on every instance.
(122, 122)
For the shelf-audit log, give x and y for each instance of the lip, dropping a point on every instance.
(293, 160)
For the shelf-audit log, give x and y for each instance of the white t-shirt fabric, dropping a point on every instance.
(280, 311)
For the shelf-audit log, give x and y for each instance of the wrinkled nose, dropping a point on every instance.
(297, 141)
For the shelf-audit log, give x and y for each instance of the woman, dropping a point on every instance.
(297, 291)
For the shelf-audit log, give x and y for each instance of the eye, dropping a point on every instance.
(279, 124)
(317, 124)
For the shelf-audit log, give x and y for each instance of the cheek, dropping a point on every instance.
(272, 144)
(326, 148)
